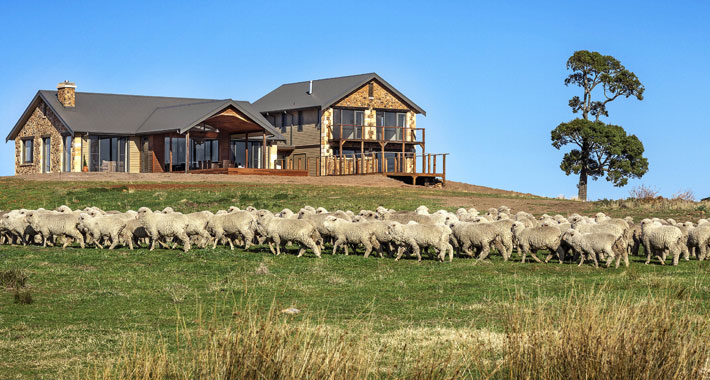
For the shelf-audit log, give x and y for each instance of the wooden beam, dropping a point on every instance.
(170, 145)
(362, 157)
(246, 150)
(443, 177)
(263, 151)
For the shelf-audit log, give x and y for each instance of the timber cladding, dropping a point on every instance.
(381, 98)
(42, 123)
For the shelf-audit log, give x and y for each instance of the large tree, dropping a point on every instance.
(601, 148)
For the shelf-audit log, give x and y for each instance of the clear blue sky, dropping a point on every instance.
(490, 75)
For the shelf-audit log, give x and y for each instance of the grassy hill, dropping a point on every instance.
(122, 313)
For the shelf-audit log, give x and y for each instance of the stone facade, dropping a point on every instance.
(42, 123)
(381, 98)
(66, 94)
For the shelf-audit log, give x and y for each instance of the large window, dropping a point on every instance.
(394, 120)
(107, 154)
(238, 155)
(300, 121)
(27, 151)
(67, 153)
(349, 121)
(46, 154)
(176, 146)
(203, 153)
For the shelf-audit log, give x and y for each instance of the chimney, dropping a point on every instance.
(310, 88)
(66, 93)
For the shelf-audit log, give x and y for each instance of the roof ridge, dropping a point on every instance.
(134, 95)
(340, 77)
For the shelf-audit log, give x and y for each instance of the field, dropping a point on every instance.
(139, 314)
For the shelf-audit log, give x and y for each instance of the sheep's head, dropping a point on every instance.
(233, 209)
(168, 210)
(64, 209)
(143, 211)
(329, 222)
(249, 208)
(422, 210)
(395, 231)
(321, 210)
(31, 217)
(285, 213)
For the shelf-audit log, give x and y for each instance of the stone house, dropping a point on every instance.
(357, 124)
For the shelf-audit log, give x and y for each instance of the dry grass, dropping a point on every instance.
(587, 338)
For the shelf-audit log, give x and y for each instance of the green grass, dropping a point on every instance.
(86, 302)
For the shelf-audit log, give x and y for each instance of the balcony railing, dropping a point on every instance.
(370, 163)
(376, 133)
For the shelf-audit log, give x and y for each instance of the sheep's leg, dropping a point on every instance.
(686, 252)
(400, 251)
(485, 250)
(610, 258)
(277, 241)
(560, 254)
(676, 256)
(525, 253)
(346, 245)
(646, 247)
(301, 251)
(114, 241)
(581, 259)
(217, 238)
(703, 251)
(417, 252)
(248, 237)
(310, 243)
(271, 247)
(185, 241)
(534, 256)
(368, 247)
(44, 241)
(451, 252)
(337, 244)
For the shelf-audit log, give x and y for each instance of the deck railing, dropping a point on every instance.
(376, 133)
(371, 163)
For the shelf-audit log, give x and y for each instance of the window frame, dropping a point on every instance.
(24, 150)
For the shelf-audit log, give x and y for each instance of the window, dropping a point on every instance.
(300, 121)
(27, 154)
(393, 123)
(46, 155)
(351, 122)
(370, 90)
(203, 153)
(67, 153)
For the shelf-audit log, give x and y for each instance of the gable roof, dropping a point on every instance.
(326, 92)
(111, 114)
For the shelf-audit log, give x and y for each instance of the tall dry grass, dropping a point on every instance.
(586, 337)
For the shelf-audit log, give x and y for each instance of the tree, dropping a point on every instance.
(610, 151)
(601, 147)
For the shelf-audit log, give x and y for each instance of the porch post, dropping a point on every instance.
(170, 143)
(383, 157)
(187, 152)
(263, 151)
(246, 150)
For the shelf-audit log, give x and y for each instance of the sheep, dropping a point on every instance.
(537, 238)
(159, 225)
(133, 232)
(277, 230)
(381, 235)
(53, 225)
(659, 239)
(480, 236)
(346, 232)
(109, 226)
(418, 236)
(287, 213)
(596, 244)
(16, 227)
(699, 240)
(241, 224)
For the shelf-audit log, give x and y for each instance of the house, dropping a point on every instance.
(349, 125)
(356, 124)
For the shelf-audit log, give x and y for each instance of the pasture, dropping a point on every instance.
(99, 313)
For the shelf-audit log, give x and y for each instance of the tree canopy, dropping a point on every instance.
(611, 151)
(591, 70)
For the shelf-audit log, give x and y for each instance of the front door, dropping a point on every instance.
(46, 159)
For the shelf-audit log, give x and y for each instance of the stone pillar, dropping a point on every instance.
(66, 93)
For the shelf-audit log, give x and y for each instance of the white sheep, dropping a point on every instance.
(419, 236)
(660, 239)
(277, 230)
(159, 225)
(530, 240)
(237, 224)
(699, 240)
(346, 232)
(596, 244)
(102, 226)
(50, 225)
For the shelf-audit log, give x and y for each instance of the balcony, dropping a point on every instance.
(351, 132)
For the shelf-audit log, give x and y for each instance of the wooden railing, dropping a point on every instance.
(293, 163)
(376, 133)
(370, 163)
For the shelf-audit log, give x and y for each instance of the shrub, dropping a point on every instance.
(23, 296)
(13, 278)
(643, 192)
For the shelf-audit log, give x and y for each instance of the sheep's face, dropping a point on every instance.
(30, 217)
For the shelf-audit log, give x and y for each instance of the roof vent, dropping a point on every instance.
(310, 88)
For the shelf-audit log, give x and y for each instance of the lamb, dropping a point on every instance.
(537, 238)
(133, 232)
(660, 239)
(109, 226)
(241, 224)
(596, 244)
(346, 232)
(159, 225)
(277, 230)
(55, 225)
(418, 236)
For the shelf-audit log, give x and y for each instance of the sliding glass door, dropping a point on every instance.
(107, 154)
(238, 154)
(203, 153)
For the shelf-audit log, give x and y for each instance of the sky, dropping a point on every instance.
(489, 74)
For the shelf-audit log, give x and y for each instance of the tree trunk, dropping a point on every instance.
(582, 186)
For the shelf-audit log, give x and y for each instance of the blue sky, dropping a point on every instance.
(490, 75)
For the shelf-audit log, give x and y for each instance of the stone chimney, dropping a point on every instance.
(66, 93)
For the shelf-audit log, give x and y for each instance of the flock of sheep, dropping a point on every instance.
(384, 230)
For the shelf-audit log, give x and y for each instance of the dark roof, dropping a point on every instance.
(134, 115)
(326, 92)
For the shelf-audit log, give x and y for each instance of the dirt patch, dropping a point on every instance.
(461, 186)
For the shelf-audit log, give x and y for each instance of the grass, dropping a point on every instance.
(107, 314)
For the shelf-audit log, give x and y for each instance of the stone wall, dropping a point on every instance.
(381, 98)
(42, 123)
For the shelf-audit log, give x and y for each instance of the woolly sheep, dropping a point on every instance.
(346, 232)
(530, 240)
(699, 240)
(277, 230)
(239, 224)
(159, 225)
(102, 226)
(660, 239)
(55, 225)
(418, 236)
(598, 244)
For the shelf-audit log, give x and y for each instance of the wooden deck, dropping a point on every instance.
(251, 171)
